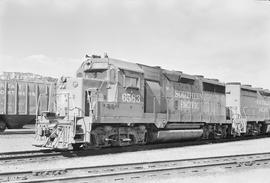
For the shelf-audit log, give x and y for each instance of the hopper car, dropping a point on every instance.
(112, 102)
(21, 101)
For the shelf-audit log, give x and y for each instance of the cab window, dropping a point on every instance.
(97, 74)
(131, 82)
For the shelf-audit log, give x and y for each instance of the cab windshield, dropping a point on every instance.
(97, 70)
(97, 74)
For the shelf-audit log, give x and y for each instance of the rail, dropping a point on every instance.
(26, 156)
(138, 171)
(19, 157)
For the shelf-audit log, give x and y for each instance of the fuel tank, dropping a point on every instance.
(178, 135)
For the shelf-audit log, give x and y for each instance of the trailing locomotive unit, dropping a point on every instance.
(117, 103)
(248, 108)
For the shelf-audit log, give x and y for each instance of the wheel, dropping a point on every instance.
(3, 126)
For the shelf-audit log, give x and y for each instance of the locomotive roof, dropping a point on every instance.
(120, 64)
(264, 92)
(212, 81)
(247, 87)
(174, 75)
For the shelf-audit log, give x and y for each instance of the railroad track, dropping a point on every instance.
(18, 131)
(140, 171)
(28, 156)
(11, 158)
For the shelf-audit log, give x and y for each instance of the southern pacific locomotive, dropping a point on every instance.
(117, 103)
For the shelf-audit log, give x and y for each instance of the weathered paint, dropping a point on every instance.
(177, 96)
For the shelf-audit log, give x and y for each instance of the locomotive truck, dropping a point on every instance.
(112, 102)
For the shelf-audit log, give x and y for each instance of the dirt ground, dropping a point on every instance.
(245, 176)
(16, 142)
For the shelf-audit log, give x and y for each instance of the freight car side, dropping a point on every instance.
(20, 101)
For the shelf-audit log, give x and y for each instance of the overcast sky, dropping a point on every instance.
(224, 39)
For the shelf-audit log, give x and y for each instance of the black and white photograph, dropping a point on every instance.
(130, 91)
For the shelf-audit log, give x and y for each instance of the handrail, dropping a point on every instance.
(37, 106)
(75, 120)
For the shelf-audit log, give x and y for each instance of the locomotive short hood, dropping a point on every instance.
(115, 62)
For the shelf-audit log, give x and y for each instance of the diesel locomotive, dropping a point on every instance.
(112, 102)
